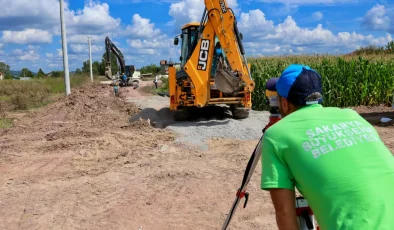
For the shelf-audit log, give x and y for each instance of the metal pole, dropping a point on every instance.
(64, 46)
(90, 58)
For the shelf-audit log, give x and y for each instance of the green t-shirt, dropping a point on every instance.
(337, 161)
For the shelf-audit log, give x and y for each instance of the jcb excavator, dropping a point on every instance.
(207, 78)
(128, 70)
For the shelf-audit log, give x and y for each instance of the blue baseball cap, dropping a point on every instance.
(297, 83)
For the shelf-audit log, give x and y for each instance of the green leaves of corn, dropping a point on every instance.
(347, 81)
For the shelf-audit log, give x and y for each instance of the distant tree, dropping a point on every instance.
(390, 47)
(86, 67)
(99, 67)
(78, 71)
(95, 68)
(57, 74)
(25, 72)
(8, 76)
(4, 68)
(152, 68)
(374, 49)
(40, 73)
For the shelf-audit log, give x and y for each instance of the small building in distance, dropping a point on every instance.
(164, 64)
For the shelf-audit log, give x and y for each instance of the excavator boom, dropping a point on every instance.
(110, 47)
(224, 23)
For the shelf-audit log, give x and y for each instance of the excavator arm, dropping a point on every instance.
(218, 21)
(109, 46)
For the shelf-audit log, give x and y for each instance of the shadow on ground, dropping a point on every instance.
(207, 116)
(375, 118)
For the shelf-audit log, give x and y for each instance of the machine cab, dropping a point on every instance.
(189, 38)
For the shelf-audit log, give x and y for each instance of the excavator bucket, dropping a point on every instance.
(226, 81)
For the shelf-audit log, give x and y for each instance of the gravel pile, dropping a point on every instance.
(197, 132)
(215, 122)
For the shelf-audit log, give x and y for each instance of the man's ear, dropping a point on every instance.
(285, 105)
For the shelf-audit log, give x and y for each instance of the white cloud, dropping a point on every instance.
(27, 36)
(31, 47)
(254, 25)
(94, 18)
(288, 37)
(25, 55)
(191, 10)
(49, 55)
(1, 45)
(21, 14)
(30, 55)
(307, 2)
(17, 52)
(141, 28)
(377, 19)
(84, 49)
(317, 16)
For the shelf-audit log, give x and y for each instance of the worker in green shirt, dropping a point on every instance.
(333, 156)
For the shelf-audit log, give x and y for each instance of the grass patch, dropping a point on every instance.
(147, 78)
(163, 87)
(5, 98)
(149, 89)
(23, 95)
(6, 123)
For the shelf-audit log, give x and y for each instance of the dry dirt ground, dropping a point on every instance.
(79, 164)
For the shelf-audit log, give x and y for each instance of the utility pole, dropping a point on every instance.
(90, 57)
(64, 46)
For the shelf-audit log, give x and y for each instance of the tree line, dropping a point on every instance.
(98, 68)
(374, 49)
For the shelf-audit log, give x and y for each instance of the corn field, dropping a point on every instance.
(347, 81)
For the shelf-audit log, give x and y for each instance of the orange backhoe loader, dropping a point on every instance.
(207, 77)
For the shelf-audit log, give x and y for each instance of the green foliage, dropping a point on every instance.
(163, 88)
(25, 72)
(36, 92)
(8, 76)
(98, 68)
(57, 74)
(78, 71)
(5, 123)
(373, 49)
(40, 73)
(4, 68)
(152, 68)
(346, 81)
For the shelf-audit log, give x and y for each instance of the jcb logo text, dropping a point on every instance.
(203, 57)
(223, 6)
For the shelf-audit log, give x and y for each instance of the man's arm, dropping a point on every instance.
(278, 179)
(284, 203)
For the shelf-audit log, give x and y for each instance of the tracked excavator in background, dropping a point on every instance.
(124, 69)
(207, 79)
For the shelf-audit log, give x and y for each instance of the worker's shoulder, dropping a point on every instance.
(320, 111)
(276, 130)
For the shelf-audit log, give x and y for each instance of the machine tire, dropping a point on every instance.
(239, 112)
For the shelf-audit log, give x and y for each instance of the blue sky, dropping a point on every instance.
(144, 29)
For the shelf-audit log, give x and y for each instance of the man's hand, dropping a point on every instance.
(284, 203)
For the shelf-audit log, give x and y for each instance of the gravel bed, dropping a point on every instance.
(197, 132)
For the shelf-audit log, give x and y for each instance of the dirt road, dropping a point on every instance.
(79, 164)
